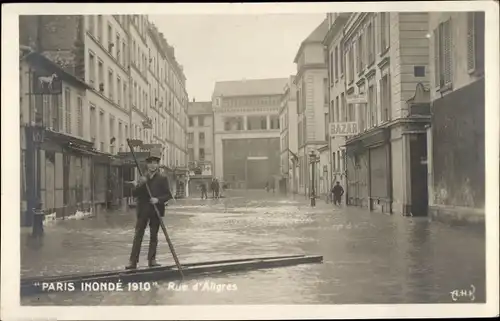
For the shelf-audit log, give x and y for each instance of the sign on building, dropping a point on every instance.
(46, 84)
(357, 99)
(343, 129)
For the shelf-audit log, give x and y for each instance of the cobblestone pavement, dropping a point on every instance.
(368, 257)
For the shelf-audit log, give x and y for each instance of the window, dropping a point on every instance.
(93, 124)
(56, 104)
(442, 55)
(202, 154)
(331, 65)
(111, 87)
(91, 69)
(337, 109)
(110, 39)
(360, 62)
(371, 43)
(341, 61)
(331, 111)
(67, 106)
(124, 53)
(372, 107)
(120, 136)
(190, 138)
(133, 52)
(112, 138)
(325, 91)
(201, 138)
(102, 127)
(79, 116)
(117, 44)
(385, 97)
(384, 31)
(475, 42)
(125, 97)
(275, 119)
(119, 89)
(336, 63)
(350, 61)
(100, 70)
(343, 111)
(99, 28)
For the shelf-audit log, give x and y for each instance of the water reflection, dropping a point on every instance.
(368, 257)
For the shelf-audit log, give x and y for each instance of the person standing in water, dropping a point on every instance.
(160, 194)
(337, 192)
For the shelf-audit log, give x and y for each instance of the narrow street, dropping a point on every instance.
(368, 257)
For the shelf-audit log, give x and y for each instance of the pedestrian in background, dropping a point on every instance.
(337, 192)
(203, 188)
(146, 213)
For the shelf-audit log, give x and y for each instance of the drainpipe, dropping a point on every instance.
(344, 63)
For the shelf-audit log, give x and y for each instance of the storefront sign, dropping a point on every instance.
(343, 129)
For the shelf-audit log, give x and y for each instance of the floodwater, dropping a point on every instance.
(369, 258)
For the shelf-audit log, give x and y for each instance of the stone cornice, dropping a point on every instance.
(361, 82)
(371, 73)
(223, 110)
(385, 61)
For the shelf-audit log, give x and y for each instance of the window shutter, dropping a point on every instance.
(447, 52)
(471, 61)
(437, 69)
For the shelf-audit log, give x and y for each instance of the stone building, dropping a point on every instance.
(129, 86)
(246, 131)
(312, 101)
(200, 144)
(456, 138)
(387, 66)
(288, 138)
(337, 111)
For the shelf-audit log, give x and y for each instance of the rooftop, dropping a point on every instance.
(250, 87)
(317, 36)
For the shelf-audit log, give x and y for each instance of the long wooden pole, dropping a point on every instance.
(164, 229)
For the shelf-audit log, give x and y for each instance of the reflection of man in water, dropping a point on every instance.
(337, 192)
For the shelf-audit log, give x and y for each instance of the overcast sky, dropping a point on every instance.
(230, 47)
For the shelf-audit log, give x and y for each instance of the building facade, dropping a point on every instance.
(131, 82)
(57, 168)
(337, 112)
(456, 163)
(288, 138)
(387, 87)
(312, 101)
(200, 137)
(200, 145)
(246, 131)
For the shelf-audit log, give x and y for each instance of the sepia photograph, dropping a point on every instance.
(336, 156)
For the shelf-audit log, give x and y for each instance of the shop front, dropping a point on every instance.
(369, 171)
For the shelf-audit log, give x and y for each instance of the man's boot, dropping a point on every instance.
(131, 266)
(153, 263)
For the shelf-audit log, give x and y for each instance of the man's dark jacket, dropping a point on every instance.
(160, 188)
(338, 190)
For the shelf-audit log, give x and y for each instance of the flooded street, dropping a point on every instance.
(368, 257)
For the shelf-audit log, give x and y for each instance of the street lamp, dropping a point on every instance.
(36, 206)
(312, 157)
(327, 186)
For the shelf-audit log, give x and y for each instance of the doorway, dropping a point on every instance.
(418, 166)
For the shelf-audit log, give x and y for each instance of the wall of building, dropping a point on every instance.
(456, 168)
